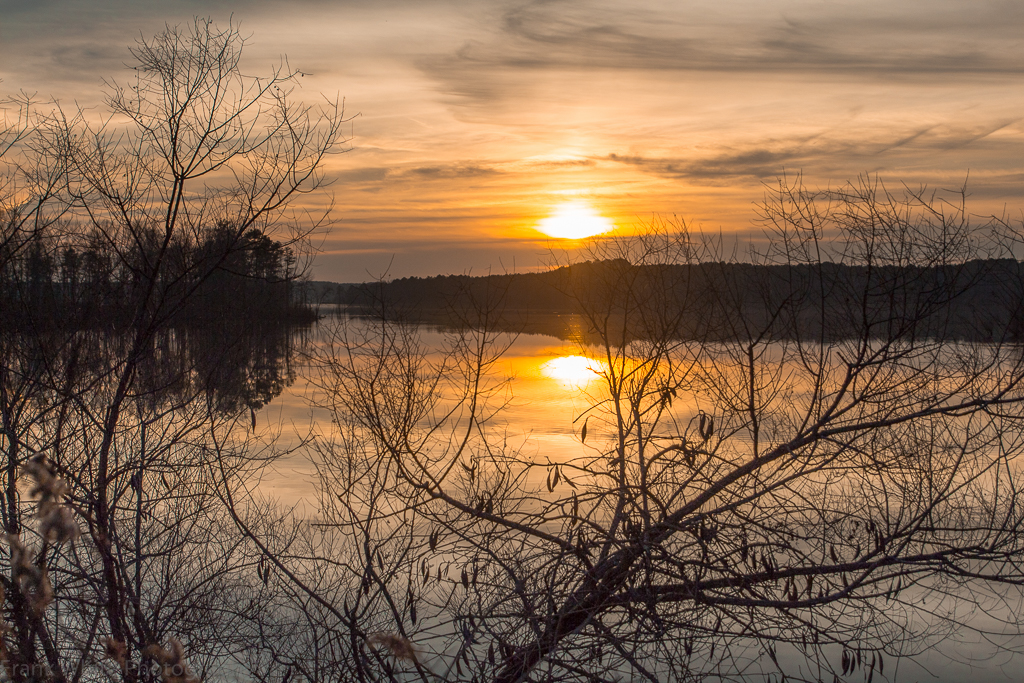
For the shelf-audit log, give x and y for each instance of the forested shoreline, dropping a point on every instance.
(76, 278)
(982, 299)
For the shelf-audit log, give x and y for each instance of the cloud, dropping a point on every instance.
(843, 155)
(908, 40)
(456, 171)
(449, 172)
(755, 162)
(366, 174)
(375, 179)
(545, 164)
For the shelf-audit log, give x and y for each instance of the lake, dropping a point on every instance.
(551, 382)
(549, 379)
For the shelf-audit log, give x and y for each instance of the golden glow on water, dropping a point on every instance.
(573, 220)
(573, 371)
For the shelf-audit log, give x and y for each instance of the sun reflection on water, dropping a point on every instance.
(573, 371)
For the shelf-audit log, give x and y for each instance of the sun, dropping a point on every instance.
(574, 220)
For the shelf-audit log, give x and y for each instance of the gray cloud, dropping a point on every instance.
(448, 172)
(547, 164)
(845, 156)
(908, 40)
(366, 174)
(375, 178)
(455, 171)
(55, 44)
(759, 162)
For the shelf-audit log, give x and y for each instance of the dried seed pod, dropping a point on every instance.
(116, 651)
(33, 581)
(399, 647)
(432, 541)
(172, 662)
(57, 522)
(59, 525)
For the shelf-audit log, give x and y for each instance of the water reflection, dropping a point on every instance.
(550, 384)
(568, 327)
(553, 384)
(232, 366)
(576, 372)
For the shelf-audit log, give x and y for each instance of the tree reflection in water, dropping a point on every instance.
(801, 469)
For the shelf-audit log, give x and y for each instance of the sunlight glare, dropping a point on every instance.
(573, 371)
(574, 220)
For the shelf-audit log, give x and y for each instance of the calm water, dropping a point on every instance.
(550, 378)
(549, 381)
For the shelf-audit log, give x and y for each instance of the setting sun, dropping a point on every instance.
(574, 220)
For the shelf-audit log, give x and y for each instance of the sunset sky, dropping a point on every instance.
(478, 120)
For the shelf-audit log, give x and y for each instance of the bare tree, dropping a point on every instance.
(195, 168)
(805, 465)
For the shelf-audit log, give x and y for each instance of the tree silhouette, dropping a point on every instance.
(815, 482)
(113, 235)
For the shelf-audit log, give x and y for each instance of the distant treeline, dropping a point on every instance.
(322, 292)
(980, 299)
(90, 280)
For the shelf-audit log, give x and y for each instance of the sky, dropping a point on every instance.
(474, 121)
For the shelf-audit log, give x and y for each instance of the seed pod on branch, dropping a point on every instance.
(172, 662)
(399, 647)
(32, 579)
(57, 523)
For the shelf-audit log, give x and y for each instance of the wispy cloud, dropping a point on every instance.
(828, 153)
(864, 40)
(477, 117)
